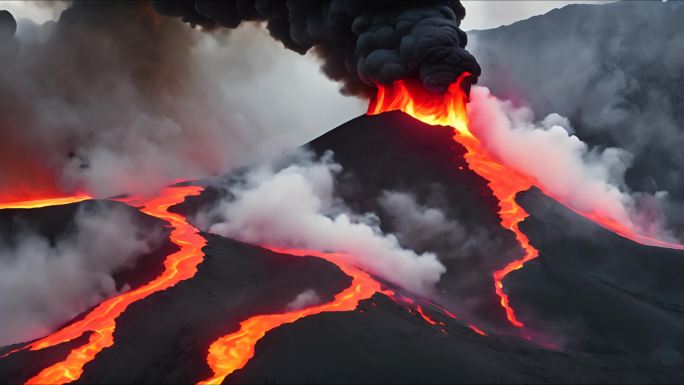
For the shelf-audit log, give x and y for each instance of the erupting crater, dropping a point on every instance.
(505, 180)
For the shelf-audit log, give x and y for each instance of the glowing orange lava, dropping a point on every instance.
(101, 321)
(43, 202)
(505, 181)
(476, 330)
(450, 110)
(425, 317)
(626, 232)
(232, 352)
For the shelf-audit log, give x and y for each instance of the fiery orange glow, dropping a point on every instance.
(627, 232)
(505, 181)
(476, 330)
(232, 352)
(450, 110)
(43, 202)
(425, 317)
(101, 321)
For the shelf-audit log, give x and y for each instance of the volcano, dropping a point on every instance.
(597, 307)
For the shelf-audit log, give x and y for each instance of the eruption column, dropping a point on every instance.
(101, 321)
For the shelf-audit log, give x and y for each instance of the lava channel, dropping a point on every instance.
(505, 181)
(232, 352)
(101, 321)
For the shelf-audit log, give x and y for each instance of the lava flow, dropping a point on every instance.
(232, 352)
(43, 202)
(450, 110)
(505, 181)
(101, 321)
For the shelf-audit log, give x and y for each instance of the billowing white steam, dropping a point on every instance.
(296, 207)
(590, 180)
(305, 299)
(43, 285)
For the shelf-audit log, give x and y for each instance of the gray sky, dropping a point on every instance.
(481, 14)
(484, 14)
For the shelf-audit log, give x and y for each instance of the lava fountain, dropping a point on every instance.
(505, 180)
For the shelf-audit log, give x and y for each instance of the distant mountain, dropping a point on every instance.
(616, 70)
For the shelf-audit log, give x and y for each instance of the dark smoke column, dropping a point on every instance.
(8, 26)
(361, 42)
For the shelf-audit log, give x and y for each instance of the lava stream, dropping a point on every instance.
(232, 352)
(450, 110)
(101, 321)
(44, 202)
(504, 180)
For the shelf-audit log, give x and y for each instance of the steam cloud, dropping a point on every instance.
(98, 107)
(43, 285)
(295, 206)
(615, 71)
(426, 228)
(305, 299)
(588, 179)
(361, 42)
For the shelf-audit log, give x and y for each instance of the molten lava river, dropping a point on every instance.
(504, 180)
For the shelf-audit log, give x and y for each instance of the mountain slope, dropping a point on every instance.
(614, 69)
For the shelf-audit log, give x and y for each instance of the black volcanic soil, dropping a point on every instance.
(166, 338)
(22, 365)
(386, 344)
(600, 291)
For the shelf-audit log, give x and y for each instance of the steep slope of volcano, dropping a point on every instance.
(597, 290)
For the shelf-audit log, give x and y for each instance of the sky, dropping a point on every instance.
(481, 14)
(484, 14)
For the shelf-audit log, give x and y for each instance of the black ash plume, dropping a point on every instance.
(361, 43)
